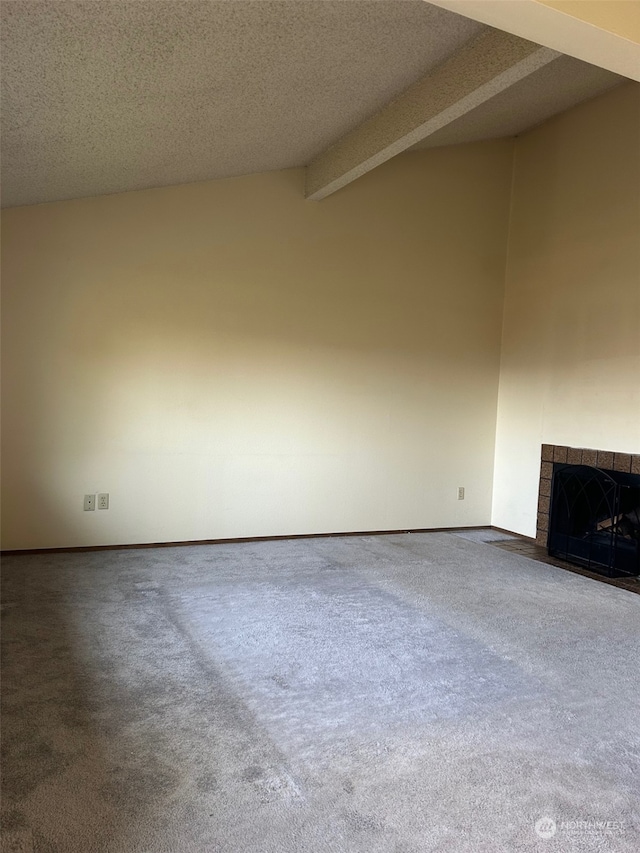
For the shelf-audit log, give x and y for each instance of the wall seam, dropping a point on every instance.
(505, 279)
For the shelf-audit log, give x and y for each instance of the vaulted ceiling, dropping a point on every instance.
(104, 97)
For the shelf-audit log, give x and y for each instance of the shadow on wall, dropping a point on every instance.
(226, 359)
(198, 436)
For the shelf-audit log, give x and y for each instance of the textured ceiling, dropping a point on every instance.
(103, 97)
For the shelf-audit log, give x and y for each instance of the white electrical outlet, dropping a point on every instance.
(89, 503)
(460, 493)
(103, 500)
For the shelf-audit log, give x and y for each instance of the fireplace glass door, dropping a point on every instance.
(595, 519)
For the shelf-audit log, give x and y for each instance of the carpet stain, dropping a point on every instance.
(364, 822)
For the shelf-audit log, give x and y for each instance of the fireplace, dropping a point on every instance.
(588, 508)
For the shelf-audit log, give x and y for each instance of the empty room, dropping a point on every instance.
(320, 426)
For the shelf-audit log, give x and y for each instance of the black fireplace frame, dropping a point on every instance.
(588, 521)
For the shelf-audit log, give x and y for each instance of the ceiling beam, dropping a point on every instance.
(481, 69)
(605, 33)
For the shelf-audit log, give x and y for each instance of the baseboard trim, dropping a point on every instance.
(233, 540)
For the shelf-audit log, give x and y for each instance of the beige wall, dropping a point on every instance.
(570, 370)
(226, 359)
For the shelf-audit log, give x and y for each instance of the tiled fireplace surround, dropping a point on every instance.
(607, 459)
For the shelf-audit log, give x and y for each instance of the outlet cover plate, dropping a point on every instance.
(103, 500)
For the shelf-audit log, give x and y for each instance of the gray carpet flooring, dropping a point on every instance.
(405, 693)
